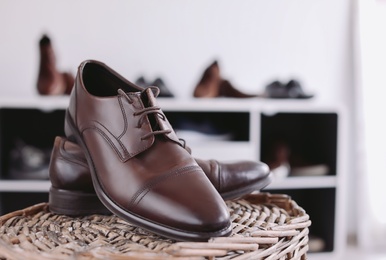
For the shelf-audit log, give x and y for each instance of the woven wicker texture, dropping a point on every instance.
(265, 226)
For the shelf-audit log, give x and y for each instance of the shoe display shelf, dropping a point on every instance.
(313, 134)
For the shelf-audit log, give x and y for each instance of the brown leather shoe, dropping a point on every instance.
(72, 192)
(140, 170)
(50, 81)
(212, 85)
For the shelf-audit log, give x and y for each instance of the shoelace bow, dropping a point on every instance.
(156, 110)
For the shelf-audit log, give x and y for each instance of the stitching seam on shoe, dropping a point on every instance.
(109, 141)
(141, 193)
(74, 161)
(124, 118)
(126, 154)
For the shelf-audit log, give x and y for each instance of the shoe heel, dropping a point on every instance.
(75, 203)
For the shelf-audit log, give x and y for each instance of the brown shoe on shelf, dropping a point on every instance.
(278, 159)
(140, 170)
(72, 192)
(209, 84)
(212, 85)
(228, 90)
(50, 81)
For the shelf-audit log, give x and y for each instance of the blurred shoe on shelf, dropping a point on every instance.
(295, 90)
(302, 164)
(310, 170)
(141, 81)
(275, 89)
(291, 90)
(212, 85)
(158, 82)
(283, 162)
(316, 244)
(281, 171)
(197, 136)
(164, 91)
(50, 81)
(278, 160)
(201, 131)
(28, 161)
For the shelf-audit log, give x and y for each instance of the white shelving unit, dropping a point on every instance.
(248, 146)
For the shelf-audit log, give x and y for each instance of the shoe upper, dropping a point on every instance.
(68, 168)
(69, 171)
(230, 177)
(138, 165)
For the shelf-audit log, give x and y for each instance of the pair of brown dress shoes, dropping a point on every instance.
(121, 155)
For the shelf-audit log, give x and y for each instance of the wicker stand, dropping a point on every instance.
(265, 226)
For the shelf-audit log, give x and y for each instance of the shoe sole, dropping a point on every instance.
(170, 232)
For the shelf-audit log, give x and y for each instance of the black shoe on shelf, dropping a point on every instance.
(291, 90)
(158, 82)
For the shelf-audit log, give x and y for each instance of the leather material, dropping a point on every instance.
(234, 177)
(69, 171)
(140, 170)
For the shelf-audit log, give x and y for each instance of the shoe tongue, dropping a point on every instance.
(148, 97)
(157, 121)
(148, 100)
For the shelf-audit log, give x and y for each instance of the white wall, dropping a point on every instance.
(255, 41)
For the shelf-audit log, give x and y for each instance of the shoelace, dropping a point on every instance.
(183, 144)
(156, 110)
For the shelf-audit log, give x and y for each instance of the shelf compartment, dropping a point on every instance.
(23, 199)
(320, 206)
(307, 142)
(26, 140)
